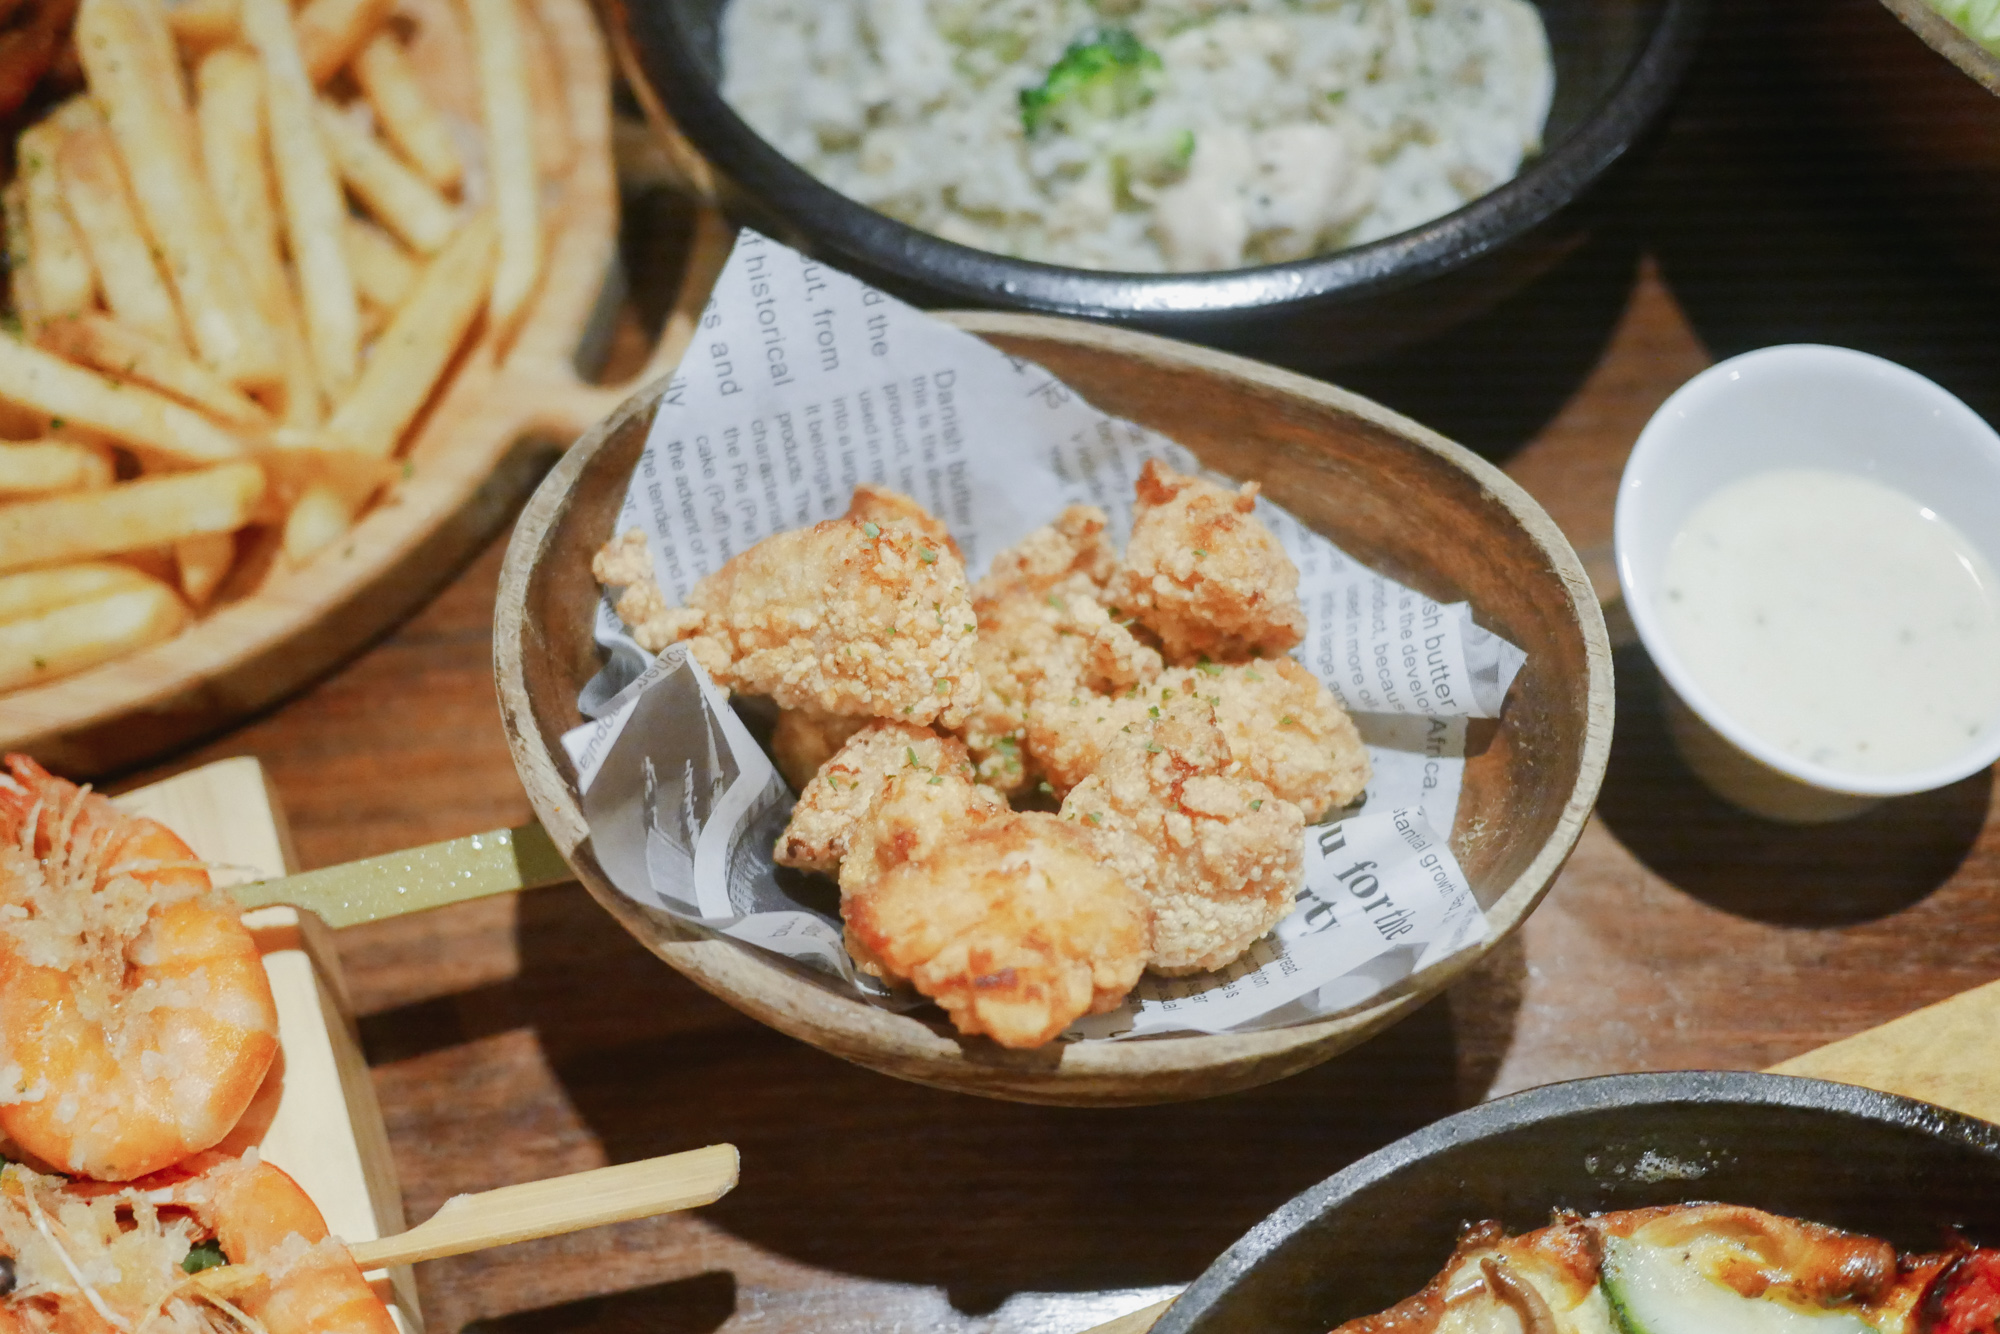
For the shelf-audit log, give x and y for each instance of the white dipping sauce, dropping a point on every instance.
(1836, 619)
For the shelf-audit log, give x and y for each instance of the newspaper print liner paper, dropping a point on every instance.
(801, 382)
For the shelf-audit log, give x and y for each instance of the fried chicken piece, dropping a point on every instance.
(916, 813)
(1110, 657)
(893, 792)
(1283, 726)
(1284, 729)
(1058, 645)
(626, 563)
(1074, 546)
(1068, 730)
(1219, 858)
(1015, 926)
(804, 739)
(1042, 627)
(849, 617)
(1204, 574)
(884, 505)
(879, 760)
(913, 816)
(1017, 644)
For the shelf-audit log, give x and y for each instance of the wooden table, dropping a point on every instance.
(523, 1037)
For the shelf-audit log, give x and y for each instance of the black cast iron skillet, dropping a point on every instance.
(1617, 64)
(1374, 1234)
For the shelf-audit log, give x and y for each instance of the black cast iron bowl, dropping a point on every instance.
(1617, 64)
(1372, 1235)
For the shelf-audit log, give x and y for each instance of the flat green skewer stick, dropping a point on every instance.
(419, 879)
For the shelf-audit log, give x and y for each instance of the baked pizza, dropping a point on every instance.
(1695, 1269)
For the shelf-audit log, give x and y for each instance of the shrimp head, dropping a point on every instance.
(136, 1021)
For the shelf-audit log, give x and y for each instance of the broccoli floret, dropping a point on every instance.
(1103, 74)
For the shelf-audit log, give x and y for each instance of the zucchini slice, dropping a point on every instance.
(1656, 1290)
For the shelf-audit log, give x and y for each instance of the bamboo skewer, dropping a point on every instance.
(1133, 1322)
(433, 876)
(559, 1205)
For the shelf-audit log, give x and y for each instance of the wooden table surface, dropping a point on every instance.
(523, 1037)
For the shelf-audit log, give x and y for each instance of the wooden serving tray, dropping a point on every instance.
(316, 1116)
(484, 444)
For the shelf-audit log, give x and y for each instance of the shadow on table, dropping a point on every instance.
(857, 1173)
(697, 1305)
(1492, 383)
(1835, 874)
(1780, 211)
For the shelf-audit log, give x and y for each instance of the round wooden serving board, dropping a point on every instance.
(483, 443)
(1388, 491)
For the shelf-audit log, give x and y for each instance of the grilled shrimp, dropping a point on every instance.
(300, 1280)
(97, 1258)
(87, 1258)
(136, 1021)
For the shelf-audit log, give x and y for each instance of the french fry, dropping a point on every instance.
(32, 592)
(65, 640)
(326, 487)
(131, 516)
(202, 562)
(301, 460)
(161, 73)
(332, 31)
(547, 104)
(419, 344)
(155, 563)
(20, 280)
(93, 187)
(38, 467)
(229, 111)
(124, 45)
(72, 396)
(316, 522)
(383, 271)
(389, 81)
(123, 352)
(203, 24)
(315, 212)
(305, 403)
(404, 201)
(64, 280)
(510, 158)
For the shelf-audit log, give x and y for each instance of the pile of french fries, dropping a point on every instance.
(241, 261)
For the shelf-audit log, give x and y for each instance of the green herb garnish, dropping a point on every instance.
(206, 1255)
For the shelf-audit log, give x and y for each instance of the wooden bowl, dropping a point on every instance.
(482, 444)
(1391, 493)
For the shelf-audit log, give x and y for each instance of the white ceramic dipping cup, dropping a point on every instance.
(1798, 406)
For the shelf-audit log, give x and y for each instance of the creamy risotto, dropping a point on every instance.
(1147, 135)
